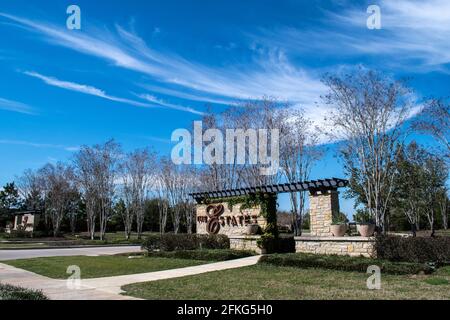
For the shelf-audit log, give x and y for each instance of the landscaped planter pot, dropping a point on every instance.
(338, 230)
(252, 229)
(366, 230)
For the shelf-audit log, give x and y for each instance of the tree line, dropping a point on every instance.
(396, 182)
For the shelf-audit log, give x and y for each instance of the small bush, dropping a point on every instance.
(343, 263)
(431, 250)
(19, 234)
(205, 255)
(8, 292)
(276, 245)
(267, 242)
(286, 245)
(175, 242)
(42, 234)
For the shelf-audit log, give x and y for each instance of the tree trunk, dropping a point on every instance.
(413, 230)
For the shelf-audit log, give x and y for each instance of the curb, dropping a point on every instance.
(70, 247)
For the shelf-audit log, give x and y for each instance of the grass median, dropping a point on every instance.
(103, 266)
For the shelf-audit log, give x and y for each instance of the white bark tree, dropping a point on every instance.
(369, 111)
(298, 153)
(138, 174)
(443, 206)
(96, 169)
(60, 190)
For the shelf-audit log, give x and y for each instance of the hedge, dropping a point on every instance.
(174, 242)
(343, 263)
(8, 292)
(414, 249)
(205, 255)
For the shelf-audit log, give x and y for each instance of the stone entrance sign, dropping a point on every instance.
(219, 218)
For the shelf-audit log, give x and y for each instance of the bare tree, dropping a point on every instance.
(369, 111)
(60, 191)
(163, 205)
(171, 180)
(190, 185)
(96, 169)
(298, 153)
(176, 183)
(74, 210)
(31, 190)
(107, 159)
(244, 120)
(138, 177)
(443, 206)
(84, 162)
(435, 120)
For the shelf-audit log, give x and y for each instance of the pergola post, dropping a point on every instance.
(323, 205)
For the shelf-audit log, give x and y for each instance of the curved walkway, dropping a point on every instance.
(108, 288)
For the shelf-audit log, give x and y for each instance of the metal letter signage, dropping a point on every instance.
(213, 225)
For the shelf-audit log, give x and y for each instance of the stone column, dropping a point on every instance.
(323, 205)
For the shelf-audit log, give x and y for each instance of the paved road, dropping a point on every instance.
(37, 253)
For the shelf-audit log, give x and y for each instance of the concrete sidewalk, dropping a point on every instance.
(113, 284)
(108, 288)
(52, 288)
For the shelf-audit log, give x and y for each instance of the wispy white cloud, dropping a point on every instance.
(39, 145)
(15, 106)
(414, 35)
(412, 30)
(161, 102)
(201, 97)
(270, 73)
(86, 89)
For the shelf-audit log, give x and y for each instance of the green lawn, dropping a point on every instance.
(271, 282)
(103, 266)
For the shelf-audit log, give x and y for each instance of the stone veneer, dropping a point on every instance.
(245, 243)
(349, 246)
(232, 222)
(343, 246)
(322, 207)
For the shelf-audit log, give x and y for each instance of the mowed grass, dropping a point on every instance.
(261, 282)
(96, 267)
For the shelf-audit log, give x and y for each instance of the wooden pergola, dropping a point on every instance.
(312, 186)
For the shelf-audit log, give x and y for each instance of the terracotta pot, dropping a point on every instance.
(366, 230)
(252, 229)
(338, 230)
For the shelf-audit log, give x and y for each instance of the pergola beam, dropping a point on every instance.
(312, 186)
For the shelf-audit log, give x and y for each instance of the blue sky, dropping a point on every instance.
(137, 70)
